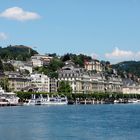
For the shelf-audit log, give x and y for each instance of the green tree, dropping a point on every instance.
(51, 69)
(66, 57)
(64, 87)
(1, 66)
(55, 64)
(8, 67)
(80, 59)
(4, 83)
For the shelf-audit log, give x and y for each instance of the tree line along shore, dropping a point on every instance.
(82, 97)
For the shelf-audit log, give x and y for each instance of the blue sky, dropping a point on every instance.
(104, 29)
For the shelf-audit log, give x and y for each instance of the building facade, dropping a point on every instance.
(71, 74)
(17, 82)
(44, 83)
(93, 65)
(130, 87)
(82, 81)
(41, 81)
(53, 85)
(40, 60)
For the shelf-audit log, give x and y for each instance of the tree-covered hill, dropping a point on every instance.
(17, 52)
(128, 68)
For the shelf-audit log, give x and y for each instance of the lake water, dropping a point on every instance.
(71, 122)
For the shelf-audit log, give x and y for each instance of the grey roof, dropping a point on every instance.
(129, 82)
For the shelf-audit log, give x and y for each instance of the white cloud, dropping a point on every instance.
(137, 55)
(118, 55)
(94, 56)
(19, 14)
(3, 36)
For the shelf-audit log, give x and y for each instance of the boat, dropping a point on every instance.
(8, 98)
(54, 100)
(32, 101)
(133, 101)
(116, 101)
(29, 102)
(57, 100)
(4, 102)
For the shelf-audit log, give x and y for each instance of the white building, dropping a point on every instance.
(23, 65)
(93, 65)
(130, 87)
(131, 90)
(40, 60)
(41, 81)
(28, 67)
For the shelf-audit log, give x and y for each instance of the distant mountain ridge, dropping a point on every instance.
(17, 52)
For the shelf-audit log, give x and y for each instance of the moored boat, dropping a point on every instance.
(47, 100)
(3, 102)
(8, 98)
(133, 101)
(31, 101)
(53, 100)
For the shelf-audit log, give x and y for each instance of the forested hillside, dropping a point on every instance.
(17, 52)
(128, 68)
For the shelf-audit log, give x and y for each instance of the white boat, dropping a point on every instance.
(54, 100)
(32, 101)
(29, 102)
(134, 101)
(116, 101)
(12, 98)
(8, 98)
(3, 101)
(46, 101)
